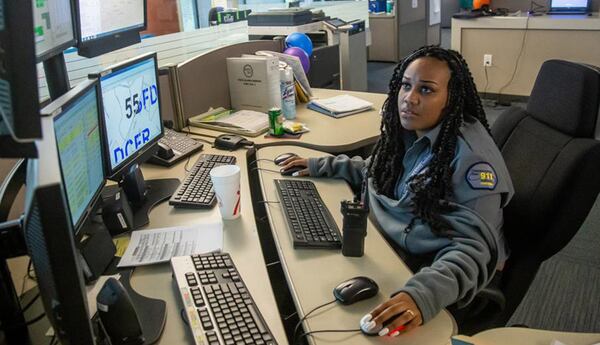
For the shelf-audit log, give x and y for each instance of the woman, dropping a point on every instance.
(436, 185)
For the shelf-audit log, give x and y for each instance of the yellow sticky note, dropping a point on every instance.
(121, 243)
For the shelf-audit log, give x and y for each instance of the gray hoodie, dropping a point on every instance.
(464, 263)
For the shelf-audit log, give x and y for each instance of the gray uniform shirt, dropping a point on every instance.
(466, 262)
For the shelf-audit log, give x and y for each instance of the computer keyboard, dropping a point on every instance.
(308, 219)
(218, 305)
(181, 144)
(196, 190)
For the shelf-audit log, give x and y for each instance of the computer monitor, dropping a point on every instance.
(569, 6)
(53, 27)
(107, 25)
(131, 127)
(19, 109)
(48, 233)
(76, 128)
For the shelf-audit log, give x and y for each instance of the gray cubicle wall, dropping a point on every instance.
(412, 32)
(201, 82)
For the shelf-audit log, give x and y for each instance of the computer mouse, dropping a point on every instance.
(283, 157)
(290, 171)
(355, 289)
(378, 328)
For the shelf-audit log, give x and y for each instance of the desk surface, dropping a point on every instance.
(527, 336)
(327, 133)
(240, 239)
(312, 274)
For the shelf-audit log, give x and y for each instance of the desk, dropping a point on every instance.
(567, 37)
(240, 239)
(312, 274)
(327, 133)
(527, 336)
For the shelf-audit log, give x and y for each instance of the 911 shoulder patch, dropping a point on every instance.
(481, 175)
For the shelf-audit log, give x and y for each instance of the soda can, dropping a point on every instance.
(275, 122)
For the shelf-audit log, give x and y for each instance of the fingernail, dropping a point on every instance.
(383, 332)
(371, 325)
(394, 334)
(296, 173)
(366, 318)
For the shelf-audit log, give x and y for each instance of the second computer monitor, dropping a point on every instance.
(131, 122)
(78, 141)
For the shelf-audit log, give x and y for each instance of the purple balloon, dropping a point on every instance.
(300, 54)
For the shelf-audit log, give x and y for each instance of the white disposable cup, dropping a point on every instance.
(226, 184)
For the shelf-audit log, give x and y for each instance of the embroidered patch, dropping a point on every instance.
(482, 176)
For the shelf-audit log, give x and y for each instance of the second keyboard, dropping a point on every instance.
(309, 220)
(196, 190)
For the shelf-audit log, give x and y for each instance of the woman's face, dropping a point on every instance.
(423, 94)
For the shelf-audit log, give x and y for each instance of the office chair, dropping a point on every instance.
(554, 162)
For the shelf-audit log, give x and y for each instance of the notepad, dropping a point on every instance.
(340, 106)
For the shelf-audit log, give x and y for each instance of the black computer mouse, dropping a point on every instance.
(355, 289)
(290, 171)
(283, 157)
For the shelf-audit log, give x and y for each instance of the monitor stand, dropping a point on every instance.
(143, 195)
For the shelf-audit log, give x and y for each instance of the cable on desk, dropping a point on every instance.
(307, 315)
(35, 319)
(30, 303)
(268, 202)
(326, 331)
(263, 169)
(184, 316)
(259, 160)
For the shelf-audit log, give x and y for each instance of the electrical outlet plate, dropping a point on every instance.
(487, 60)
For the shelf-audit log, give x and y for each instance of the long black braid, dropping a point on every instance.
(433, 187)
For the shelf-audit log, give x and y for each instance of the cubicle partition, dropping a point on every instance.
(201, 82)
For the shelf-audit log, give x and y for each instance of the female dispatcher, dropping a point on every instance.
(436, 186)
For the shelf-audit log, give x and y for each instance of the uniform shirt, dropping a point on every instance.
(465, 262)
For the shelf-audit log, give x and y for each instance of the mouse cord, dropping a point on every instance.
(263, 169)
(326, 331)
(307, 315)
(259, 160)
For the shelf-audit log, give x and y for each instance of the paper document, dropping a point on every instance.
(340, 106)
(245, 122)
(160, 245)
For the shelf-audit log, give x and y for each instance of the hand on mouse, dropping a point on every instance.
(400, 311)
(296, 162)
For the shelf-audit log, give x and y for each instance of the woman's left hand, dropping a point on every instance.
(400, 311)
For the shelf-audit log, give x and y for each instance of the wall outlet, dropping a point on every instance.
(487, 60)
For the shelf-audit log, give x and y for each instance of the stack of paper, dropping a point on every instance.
(244, 122)
(148, 247)
(340, 106)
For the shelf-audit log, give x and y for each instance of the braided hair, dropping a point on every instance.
(433, 187)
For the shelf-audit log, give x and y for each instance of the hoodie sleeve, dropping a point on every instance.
(460, 269)
(341, 166)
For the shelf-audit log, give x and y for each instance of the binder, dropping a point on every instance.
(254, 83)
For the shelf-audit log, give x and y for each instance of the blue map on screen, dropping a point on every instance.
(131, 109)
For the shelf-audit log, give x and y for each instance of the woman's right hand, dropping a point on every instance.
(296, 161)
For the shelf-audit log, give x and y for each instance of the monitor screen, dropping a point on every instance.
(100, 18)
(77, 133)
(53, 27)
(132, 120)
(557, 4)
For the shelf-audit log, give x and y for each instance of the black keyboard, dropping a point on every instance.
(218, 305)
(196, 190)
(308, 219)
(182, 146)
